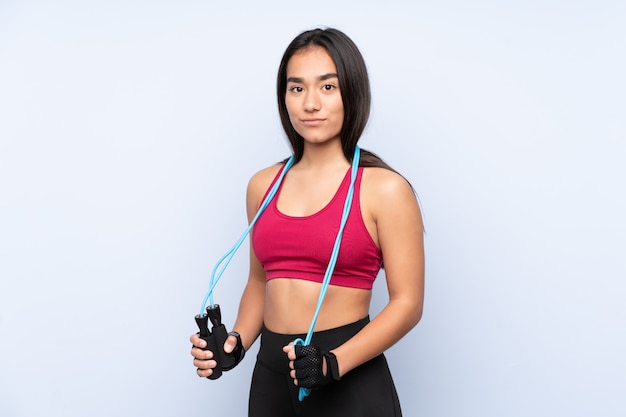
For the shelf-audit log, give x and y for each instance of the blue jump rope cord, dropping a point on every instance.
(217, 274)
(304, 392)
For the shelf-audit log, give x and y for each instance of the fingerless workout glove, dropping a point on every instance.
(215, 339)
(238, 352)
(308, 366)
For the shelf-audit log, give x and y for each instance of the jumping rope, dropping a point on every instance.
(223, 262)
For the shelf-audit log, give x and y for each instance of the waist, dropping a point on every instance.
(271, 352)
(291, 303)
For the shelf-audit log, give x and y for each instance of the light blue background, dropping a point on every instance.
(129, 129)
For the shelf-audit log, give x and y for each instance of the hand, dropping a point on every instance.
(203, 359)
(310, 366)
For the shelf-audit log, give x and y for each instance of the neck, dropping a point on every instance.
(323, 155)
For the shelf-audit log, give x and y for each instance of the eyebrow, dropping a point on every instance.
(320, 78)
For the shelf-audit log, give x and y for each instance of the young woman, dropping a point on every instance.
(324, 100)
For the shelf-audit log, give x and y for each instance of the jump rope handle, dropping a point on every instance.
(215, 339)
(302, 392)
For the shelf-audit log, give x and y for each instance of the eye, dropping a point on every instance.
(296, 89)
(328, 87)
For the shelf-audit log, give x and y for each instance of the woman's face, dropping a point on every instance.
(313, 98)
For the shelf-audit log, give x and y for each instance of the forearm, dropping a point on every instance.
(387, 328)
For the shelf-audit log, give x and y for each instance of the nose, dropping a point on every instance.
(312, 101)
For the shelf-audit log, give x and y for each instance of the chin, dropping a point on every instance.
(319, 140)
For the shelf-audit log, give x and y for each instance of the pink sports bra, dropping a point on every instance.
(300, 247)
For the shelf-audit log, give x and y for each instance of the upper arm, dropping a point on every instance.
(400, 233)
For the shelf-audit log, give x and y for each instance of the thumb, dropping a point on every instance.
(230, 344)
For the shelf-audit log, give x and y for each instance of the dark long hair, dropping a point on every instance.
(354, 86)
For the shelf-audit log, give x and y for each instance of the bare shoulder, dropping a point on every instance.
(387, 197)
(386, 185)
(390, 204)
(260, 182)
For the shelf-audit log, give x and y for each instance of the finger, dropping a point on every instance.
(303, 373)
(197, 341)
(288, 347)
(291, 353)
(203, 365)
(204, 372)
(229, 345)
(292, 374)
(201, 353)
(297, 351)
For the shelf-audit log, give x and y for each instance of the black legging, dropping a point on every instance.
(365, 391)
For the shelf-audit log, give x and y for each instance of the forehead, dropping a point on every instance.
(312, 61)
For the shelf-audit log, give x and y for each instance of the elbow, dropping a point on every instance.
(416, 315)
(412, 313)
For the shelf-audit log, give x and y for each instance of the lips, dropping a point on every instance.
(312, 122)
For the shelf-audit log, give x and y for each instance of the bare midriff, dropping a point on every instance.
(291, 303)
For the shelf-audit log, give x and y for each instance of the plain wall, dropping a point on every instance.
(128, 132)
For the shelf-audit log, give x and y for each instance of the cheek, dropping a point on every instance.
(289, 106)
(292, 112)
(338, 110)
